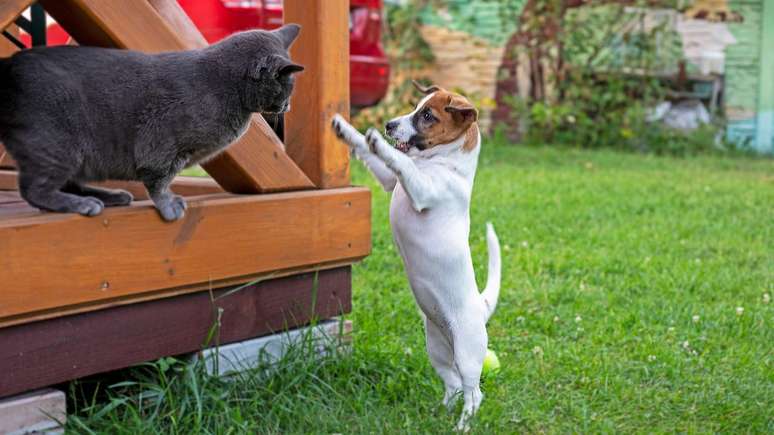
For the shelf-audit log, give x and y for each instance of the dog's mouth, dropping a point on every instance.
(402, 146)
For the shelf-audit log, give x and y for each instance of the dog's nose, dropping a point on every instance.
(391, 126)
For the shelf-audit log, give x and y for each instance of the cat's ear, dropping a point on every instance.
(291, 68)
(284, 66)
(287, 34)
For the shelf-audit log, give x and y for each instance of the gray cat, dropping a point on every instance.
(71, 115)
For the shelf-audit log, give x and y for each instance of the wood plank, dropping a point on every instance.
(11, 9)
(7, 48)
(186, 186)
(128, 252)
(6, 161)
(56, 350)
(36, 412)
(321, 90)
(255, 163)
(324, 337)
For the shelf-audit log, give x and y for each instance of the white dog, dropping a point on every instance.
(430, 173)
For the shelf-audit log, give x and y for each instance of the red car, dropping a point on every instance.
(216, 19)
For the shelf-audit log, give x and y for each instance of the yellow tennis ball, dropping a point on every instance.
(491, 363)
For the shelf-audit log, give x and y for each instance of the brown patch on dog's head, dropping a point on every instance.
(444, 118)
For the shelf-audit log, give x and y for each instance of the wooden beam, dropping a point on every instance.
(321, 90)
(7, 48)
(58, 350)
(6, 161)
(36, 412)
(58, 262)
(255, 163)
(11, 9)
(186, 186)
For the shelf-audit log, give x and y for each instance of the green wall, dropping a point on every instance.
(750, 75)
(494, 21)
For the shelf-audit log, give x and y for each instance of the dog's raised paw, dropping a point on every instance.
(371, 139)
(337, 127)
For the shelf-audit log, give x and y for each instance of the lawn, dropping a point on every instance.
(635, 299)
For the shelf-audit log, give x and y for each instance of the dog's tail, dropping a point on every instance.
(492, 290)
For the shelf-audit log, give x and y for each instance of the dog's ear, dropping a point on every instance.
(425, 90)
(287, 34)
(462, 112)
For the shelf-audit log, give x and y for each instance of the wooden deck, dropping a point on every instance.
(83, 295)
(60, 349)
(65, 263)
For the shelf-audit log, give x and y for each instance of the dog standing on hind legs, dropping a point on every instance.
(430, 173)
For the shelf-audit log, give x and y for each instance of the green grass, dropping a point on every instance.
(607, 258)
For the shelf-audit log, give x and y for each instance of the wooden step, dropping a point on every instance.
(63, 263)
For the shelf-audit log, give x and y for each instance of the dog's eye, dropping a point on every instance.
(427, 116)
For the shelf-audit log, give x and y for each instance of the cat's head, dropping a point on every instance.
(263, 67)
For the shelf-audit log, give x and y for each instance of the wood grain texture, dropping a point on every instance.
(65, 261)
(186, 186)
(6, 161)
(257, 162)
(11, 9)
(7, 48)
(321, 90)
(57, 350)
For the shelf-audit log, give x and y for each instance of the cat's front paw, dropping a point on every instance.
(172, 208)
(117, 198)
(89, 206)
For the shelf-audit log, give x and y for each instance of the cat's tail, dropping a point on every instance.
(492, 290)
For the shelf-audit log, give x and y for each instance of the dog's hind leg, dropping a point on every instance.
(470, 342)
(442, 358)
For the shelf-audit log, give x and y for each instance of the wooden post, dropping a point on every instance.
(321, 90)
(11, 9)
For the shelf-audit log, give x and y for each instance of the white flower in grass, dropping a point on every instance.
(578, 319)
(651, 358)
(520, 319)
(525, 244)
(537, 351)
(766, 298)
(686, 344)
(739, 311)
(695, 318)
(556, 319)
(671, 329)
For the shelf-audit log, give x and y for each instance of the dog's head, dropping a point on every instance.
(440, 118)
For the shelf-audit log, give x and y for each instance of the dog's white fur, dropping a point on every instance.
(430, 219)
